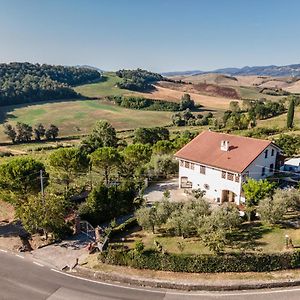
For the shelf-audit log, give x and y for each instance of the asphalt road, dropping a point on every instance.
(23, 278)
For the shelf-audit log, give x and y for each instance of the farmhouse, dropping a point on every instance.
(219, 163)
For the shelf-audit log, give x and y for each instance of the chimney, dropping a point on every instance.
(225, 145)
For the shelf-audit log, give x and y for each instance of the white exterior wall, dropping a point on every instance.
(255, 168)
(213, 176)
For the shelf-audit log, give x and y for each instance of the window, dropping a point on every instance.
(263, 171)
(223, 174)
(192, 166)
(237, 178)
(181, 163)
(230, 176)
(266, 153)
(272, 152)
(187, 164)
(202, 169)
(271, 168)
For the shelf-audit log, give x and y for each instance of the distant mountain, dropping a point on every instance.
(277, 71)
(182, 73)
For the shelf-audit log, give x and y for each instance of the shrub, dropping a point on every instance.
(204, 263)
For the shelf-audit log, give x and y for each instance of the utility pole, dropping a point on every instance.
(42, 183)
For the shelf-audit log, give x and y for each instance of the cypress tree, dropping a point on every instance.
(290, 114)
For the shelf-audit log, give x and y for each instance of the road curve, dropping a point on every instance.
(24, 278)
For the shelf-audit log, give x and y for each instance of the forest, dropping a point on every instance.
(26, 82)
(138, 80)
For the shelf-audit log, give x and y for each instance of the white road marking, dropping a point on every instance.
(19, 256)
(38, 264)
(203, 293)
(5, 251)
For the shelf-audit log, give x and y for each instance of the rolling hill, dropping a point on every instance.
(288, 70)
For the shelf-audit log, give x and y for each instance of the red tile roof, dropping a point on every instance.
(206, 149)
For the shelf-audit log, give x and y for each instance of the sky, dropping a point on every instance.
(158, 35)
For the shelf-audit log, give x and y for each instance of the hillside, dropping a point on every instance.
(289, 84)
(106, 87)
(26, 82)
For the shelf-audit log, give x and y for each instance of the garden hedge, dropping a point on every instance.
(205, 263)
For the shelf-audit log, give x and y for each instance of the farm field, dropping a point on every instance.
(103, 88)
(280, 121)
(78, 117)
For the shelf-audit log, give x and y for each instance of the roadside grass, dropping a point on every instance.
(105, 87)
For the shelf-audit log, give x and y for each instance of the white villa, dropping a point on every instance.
(219, 163)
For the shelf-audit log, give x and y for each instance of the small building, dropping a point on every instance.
(219, 163)
(292, 165)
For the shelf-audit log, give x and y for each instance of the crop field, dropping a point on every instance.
(77, 117)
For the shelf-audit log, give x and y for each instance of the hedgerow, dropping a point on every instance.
(204, 263)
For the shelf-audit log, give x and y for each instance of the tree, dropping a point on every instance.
(44, 212)
(102, 135)
(215, 227)
(234, 106)
(67, 164)
(24, 132)
(254, 192)
(290, 144)
(106, 158)
(39, 132)
(163, 147)
(107, 202)
(136, 154)
(146, 218)
(10, 132)
(150, 135)
(163, 211)
(187, 102)
(52, 132)
(161, 166)
(271, 210)
(290, 114)
(19, 178)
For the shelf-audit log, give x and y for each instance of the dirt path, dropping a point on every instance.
(12, 151)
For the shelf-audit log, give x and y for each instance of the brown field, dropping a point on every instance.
(174, 95)
(287, 83)
(202, 88)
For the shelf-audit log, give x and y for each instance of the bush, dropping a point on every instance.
(205, 263)
(142, 103)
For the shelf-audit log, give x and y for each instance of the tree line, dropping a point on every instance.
(23, 133)
(137, 80)
(133, 102)
(26, 82)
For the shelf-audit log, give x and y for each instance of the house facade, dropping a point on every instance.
(219, 163)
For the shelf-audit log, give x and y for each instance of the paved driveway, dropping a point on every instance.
(155, 191)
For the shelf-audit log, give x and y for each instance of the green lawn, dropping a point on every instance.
(253, 237)
(77, 117)
(106, 87)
